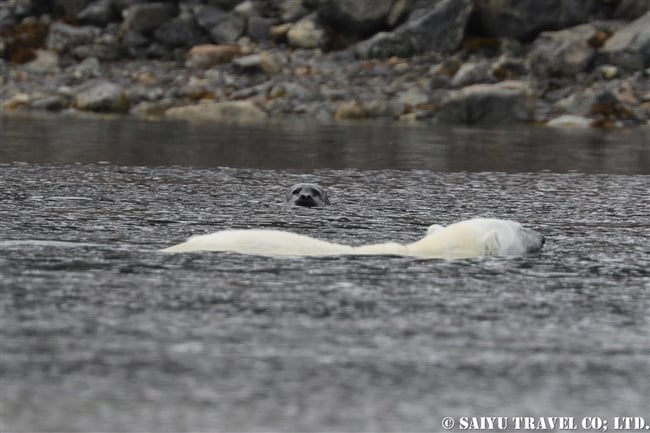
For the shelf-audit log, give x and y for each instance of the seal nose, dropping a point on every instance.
(305, 196)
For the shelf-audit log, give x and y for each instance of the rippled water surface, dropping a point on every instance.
(101, 332)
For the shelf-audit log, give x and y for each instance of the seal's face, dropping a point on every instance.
(308, 195)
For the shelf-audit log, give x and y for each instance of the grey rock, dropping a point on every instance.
(439, 28)
(629, 47)
(45, 61)
(524, 19)
(307, 33)
(259, 28)
(247, 9)
(413, 97)
(68, 8)
(563, 53)
(362, 17)
(63, 37)
(487, 104)
(102, 96)
(221, 25)
(292, 10)
(88, 68)
(228, 111)
(146, 17)
(50, 103)
(473, 73)
(99, 13)
(181, 31)
(100, 51)
(631, 9)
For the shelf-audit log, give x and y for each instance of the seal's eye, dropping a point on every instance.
(295, 191)
(315, 192)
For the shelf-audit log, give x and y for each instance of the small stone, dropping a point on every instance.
(413, 97)
(307, 33)
(99, 13)
(102, 96)
(89, 68)
(263, 62)
(207, 55)
(259, 29)
(45, 61)
(279, 33)
(473, 73)
(351, 110)
(63, 37)
(608, 72)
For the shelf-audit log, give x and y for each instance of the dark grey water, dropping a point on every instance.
(100, 332)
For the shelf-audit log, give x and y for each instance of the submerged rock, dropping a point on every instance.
(228, 111)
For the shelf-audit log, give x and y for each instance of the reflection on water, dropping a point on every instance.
(307, 146)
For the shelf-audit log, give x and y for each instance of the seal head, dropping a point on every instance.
(307, 195)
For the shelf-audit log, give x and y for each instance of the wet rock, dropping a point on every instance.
(105, 52)
(629, 47)
(487, 104)
(99, 13)
(354, 16)
(509, 68)
(63, 37)
(102, 96)
(229, 111)
(439, 28)
(207, 55)
(563, 53)
(351, 110)
(152, 109)
(144, 17)
(307, 33)
(524, 19)
(570, 121)
(473, 73)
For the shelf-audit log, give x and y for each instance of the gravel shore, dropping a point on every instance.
(573, 63)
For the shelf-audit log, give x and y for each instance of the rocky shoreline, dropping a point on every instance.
(567, 63)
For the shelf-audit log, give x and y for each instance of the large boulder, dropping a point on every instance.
(525, 19)
(629, 47)
(487, 104)
(361, 17)
(563, 53)
(440, 28)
